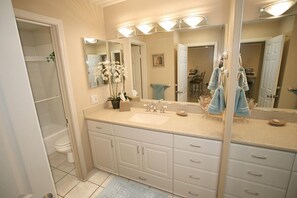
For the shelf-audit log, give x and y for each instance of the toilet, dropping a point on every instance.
(62, 145)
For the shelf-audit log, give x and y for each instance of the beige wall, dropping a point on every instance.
(140, 11)
(288, 99)
(80, 19)
(161, 44)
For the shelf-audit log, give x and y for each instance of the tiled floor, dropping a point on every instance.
(67, 184)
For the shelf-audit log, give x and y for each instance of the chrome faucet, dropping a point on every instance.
(153, 107)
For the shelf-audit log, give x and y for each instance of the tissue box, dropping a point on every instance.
(124, 105)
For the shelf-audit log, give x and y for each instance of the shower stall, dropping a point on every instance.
(41, 67)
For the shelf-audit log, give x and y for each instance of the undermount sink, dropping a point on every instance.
(149, 118)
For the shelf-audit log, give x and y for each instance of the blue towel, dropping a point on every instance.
(241, 105)
(217, 104)
(242, 81)
(214, 79)
(158, 91)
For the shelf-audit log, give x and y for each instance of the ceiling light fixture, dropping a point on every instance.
(279, 7)
(193, 21)
(168, 24)
(126, 31)
(145, 28)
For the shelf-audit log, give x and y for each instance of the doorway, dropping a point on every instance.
(45, 81)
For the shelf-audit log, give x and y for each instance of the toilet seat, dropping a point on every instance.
(64, 141)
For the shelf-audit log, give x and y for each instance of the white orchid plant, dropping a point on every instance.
(114, 73)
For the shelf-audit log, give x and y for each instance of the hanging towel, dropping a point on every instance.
(158, 91)
(242, 80)
(217, 104)
(214, 79)
(241, 105)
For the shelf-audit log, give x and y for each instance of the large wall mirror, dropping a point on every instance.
(178, 63)
(97, 51)
(268, 50)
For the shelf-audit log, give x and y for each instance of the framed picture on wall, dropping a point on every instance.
(158, 60)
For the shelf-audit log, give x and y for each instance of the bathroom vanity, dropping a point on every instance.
(182, 154)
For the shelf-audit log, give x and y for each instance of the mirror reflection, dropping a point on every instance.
(116, 51)
(95, 52)
(269, 58)
(187, 58)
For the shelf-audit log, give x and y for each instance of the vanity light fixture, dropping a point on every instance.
(91, 40)
(279, 7)
(145, 28)
(126, 31)
(168, 24)
(193, 21)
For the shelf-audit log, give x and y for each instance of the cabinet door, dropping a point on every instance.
(157, 160)
(103, 152)
(129, 153)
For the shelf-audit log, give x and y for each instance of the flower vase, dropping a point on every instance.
(115, 104)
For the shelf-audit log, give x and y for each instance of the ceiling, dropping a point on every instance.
(105, 3)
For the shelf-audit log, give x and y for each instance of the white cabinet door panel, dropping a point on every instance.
(292, 189)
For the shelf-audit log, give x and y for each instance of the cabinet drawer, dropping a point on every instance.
(158, 182)
(273, 158)
(100, 127)
(295, 164)
(196, 177)
(265, 175)
(197, 160)
(197, 145)
(159, 138)
(245, 189)
(292, 190)
(192, 191)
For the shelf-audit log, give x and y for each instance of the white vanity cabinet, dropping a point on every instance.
(292, 189)
(103, 146)
(196, 166)
(145, 156)
(258, 172)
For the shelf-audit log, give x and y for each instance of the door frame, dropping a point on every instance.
(63, 70)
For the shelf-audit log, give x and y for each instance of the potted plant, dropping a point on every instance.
(114, 73)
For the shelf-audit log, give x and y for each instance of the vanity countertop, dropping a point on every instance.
(196, 125)
(254, 132)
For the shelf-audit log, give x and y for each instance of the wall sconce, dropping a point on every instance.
(193, 21)
(168, 24)
(279, 7)
(145, 28)
(126, 31)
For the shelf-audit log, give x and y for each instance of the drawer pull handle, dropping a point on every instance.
(254, 174)
(251, 192)
(193, 193)
(259, 157)
(142, 178)
(138, 149)
(98, 127)
(196, 146)
(195, 161)
(111, 142)
(194, 177)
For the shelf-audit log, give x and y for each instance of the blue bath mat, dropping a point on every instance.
(123, 188)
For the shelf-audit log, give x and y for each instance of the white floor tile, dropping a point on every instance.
(106, 182)
(99, 177)
(97, 192)
(57, 174)
(66, 184)
(66, 166)
(73, 172)
(57, 160)
(82, 190)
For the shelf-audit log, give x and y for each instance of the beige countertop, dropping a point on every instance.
(254, 132)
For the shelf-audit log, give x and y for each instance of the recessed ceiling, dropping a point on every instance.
(105, 3)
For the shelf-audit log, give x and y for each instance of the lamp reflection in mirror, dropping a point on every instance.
(279, 7)
(145, 28)
(168, 24)
(91, 40)
(126, 31)
(193, 21)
